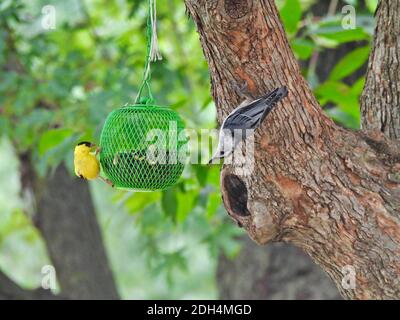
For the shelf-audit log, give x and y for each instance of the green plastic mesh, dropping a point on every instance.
(139, 149)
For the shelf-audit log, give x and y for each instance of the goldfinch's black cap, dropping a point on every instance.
(86, 143)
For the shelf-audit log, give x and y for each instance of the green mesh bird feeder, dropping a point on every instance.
(142, 144)
(140, 147)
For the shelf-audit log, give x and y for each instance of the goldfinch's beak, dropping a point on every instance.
(92, 146)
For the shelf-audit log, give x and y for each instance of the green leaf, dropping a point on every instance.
(340, 94)
(371, 5)
(291, 15)
(331, 29)
(206, 102)
(214, 201)
(201, 174)
(52, 138)
(213, 176)
(169, 202)
(358, 86)
(344, 36)
(350, 63)
(139, 201)
(303, 48)
(333, 91)
(5, 127)
(186, 203)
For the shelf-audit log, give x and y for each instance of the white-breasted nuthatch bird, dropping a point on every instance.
(244, 120)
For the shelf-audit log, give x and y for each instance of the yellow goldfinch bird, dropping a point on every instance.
(86, 164)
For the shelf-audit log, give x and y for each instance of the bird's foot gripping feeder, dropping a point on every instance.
(142, 147)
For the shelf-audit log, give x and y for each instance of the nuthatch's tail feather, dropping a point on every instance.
(251, 115)
(271, 99)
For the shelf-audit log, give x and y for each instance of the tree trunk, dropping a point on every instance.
(283, 271)
(67, 221)
(333, 192)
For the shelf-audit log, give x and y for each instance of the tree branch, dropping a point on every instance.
(281, 271)
(9, 290)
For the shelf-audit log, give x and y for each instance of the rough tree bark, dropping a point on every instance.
(333, 192)
(282, 271)
(380, 102)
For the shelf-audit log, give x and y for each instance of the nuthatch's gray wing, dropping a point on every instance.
(246, 117)
(250, 116)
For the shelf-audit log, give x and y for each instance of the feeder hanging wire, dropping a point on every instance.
(152, 53)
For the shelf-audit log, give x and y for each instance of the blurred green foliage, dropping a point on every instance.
(58, 86)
